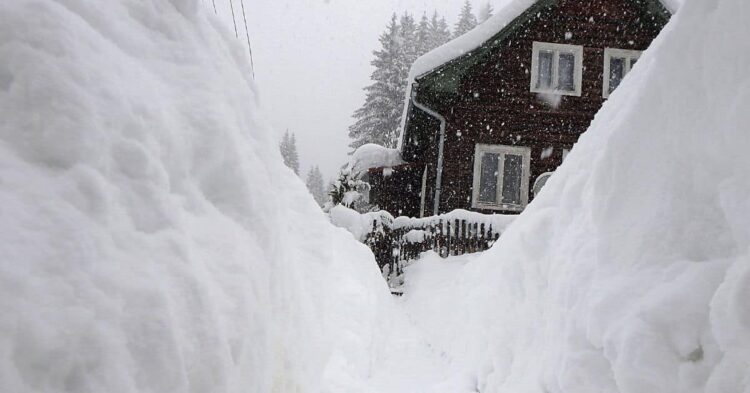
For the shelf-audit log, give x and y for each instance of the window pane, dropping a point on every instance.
(566, 71)
(512, 177)
(616, 72)
(488, 178)
(544, 80)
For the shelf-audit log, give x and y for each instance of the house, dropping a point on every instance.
(490, 115)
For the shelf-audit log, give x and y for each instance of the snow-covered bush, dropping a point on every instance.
(351, 188)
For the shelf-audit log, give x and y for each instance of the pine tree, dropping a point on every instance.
(288, 148)
(466, 21)
(424, 36)
(485, 12)
(379, 119)
(409, 40)
(439, 31)
(316, 186)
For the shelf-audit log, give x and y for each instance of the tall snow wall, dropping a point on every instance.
(151, 239)
(631, 271)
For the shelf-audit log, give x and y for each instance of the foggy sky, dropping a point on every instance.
(312, 59)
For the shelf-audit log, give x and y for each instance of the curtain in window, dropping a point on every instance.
(566, 72)
(512, 177)
(616, 72)
(544, 80)
(488, 178)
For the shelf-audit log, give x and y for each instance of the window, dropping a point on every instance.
(556, 68)
(501, 177)
(617, 64)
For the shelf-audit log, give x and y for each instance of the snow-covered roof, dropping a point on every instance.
(483, 33)
(471, 40)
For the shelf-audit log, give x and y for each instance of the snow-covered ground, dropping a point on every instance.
(631, 271)
(153, 241)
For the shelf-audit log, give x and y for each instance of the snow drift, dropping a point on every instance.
(631, 271)
(151, 240)
(370, 156)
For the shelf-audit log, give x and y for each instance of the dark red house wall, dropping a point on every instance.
(397, 190)
(495, 105)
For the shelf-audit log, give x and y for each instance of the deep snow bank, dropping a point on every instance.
(151, 240)
(631, 271)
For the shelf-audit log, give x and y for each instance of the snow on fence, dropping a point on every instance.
(395, 242)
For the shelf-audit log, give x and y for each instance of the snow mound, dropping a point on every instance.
(373, 156)
(498, 222)
(359, 224)
(631, 271)
(151, 239)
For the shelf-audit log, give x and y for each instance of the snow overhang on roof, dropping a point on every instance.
(469, 41)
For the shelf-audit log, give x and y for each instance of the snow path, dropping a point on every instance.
(414, 360)
(409, 364)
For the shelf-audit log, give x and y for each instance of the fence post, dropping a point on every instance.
(464, 237)
(489, 238)
(449, 238)
(458, 242)
(482, 238)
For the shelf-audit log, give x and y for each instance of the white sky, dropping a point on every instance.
(312, 59)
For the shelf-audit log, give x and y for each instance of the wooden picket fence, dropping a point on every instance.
(395, 245)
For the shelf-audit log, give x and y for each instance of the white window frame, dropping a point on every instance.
(609, 53)
(501, 150)
(576, 50)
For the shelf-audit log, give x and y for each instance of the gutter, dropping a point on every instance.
(441, 144)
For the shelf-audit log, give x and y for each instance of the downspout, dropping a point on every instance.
(441, 144)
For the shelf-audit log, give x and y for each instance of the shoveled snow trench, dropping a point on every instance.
(151, 239)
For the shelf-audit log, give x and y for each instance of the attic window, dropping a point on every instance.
(556, 68)
(501, 177)
(617, 64)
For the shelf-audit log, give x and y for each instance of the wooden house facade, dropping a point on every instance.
(485, 129)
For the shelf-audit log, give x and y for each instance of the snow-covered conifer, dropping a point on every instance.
(466, 21)
(288, 147)
(439, 31)
(409, 40)
(379, 118)
(485, 12)
(315, 185)
(424, 36)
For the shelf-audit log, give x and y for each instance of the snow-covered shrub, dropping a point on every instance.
(351, 188)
